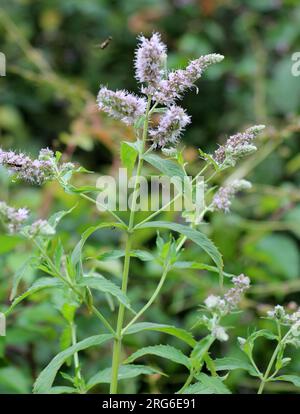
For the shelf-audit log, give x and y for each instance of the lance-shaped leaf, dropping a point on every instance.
(167, 167)
(179, 333)
(125, 372)
(42, 283)
(207, 385)
(163, 351)
(77, 252)
(99, 282)
(26, 267)
(46, 378)
(128, 155)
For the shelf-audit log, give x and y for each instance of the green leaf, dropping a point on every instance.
(125, 372)
(62, 390)
(8, 243)
(76, 254)
(200, 350)
(182, 334)
(294, 379)
(42, 283)
(83, 189)
(65, 339)
(117, 254)
(143, 255)
(263, 333)
(232, 363)
(167, 167)
(209, 158)
(195, 235)
(199, 266)
(164, 351)
(20, 273)
(14, 380)
(57, 217)
(207, 385)
(58, 254)
(128, 156)
(46, 378)
(280, 253)
(98, 282)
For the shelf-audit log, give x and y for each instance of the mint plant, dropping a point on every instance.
(158, 123)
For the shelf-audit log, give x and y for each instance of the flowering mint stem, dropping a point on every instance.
(121, 313)
(272, 360)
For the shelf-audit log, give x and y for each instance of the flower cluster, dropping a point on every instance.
(121, 105)
(15, 222)
(222, 198)
(292, 320)
(220, 306)
(36, 171)
(171, 125)
(13, 218)
(237, 146)
(163, 88)
(40, 228)
(280, 314)
(150, 60)
(227, 303)
(179, 81)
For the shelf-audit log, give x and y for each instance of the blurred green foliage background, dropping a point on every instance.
(54, 68)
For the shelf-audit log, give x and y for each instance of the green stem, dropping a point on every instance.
(150, 301)
(118, 338)
(272, 360)
(121, 313)
(187, 383)
(75, 356)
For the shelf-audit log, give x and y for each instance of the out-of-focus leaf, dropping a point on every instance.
(13, 380)
(280, 253)
(294, 379)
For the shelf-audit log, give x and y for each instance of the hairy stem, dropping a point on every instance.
(75, 356)
(118, 338)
